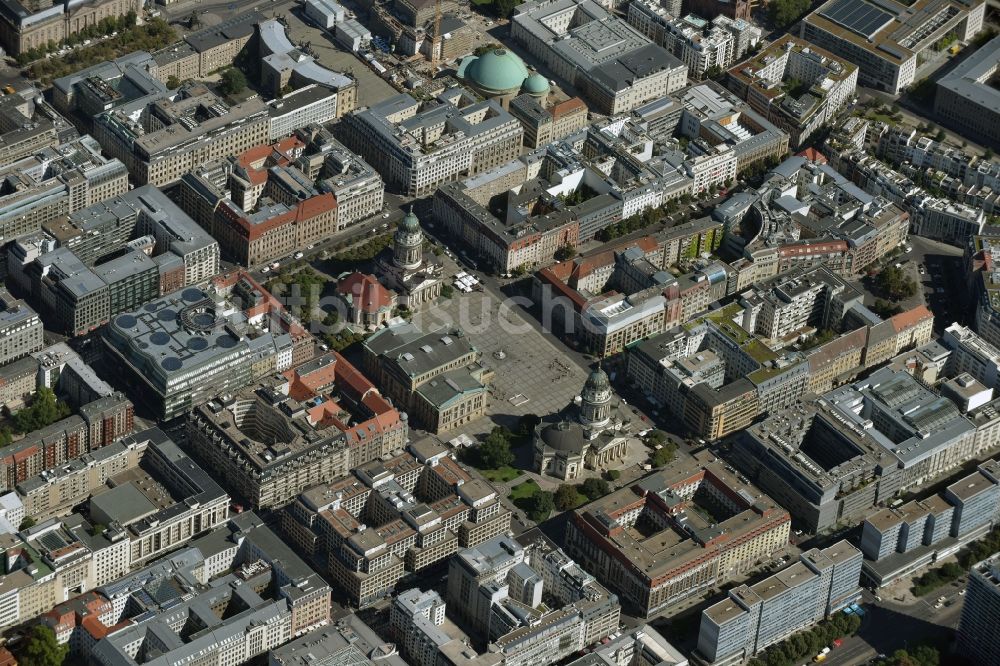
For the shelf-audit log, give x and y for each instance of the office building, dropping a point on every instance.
(268, 465)
(193, 125)
(966, 101)
(885, 41)
(20, 329)
(284, 66)
(714, 115)
(417, 146)
(976, 636)
(208, 50)
(55, 182)
(544, 124)
(28, 26)
(826, 464)
(187, 347)
(612, 63)
(92, 90)
(650, 574)
(346, 642)
(504, 583)
(757, 616)
(29, 124)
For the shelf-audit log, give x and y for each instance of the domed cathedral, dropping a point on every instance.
(498, 73)
(404, 269)
(591, 433)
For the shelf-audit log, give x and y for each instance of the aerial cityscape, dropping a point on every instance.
(499, 332)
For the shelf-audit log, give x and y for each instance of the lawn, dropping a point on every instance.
(502, 474)
(523, 490)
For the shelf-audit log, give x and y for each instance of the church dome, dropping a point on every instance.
(409, 224)
(564, 436)
(536, 85)
(497, 71)
(597, 381)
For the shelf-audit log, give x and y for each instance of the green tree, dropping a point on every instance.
(173, 83)
(614, 474)
(565, 252)
(447, 291)
(27, 523)
(565, 497)
(232, 81)
(44, 410)
(783, 13)
(663, 456)
(42, 649)
(595, 488)
(895, 284)
(495, 452)
(540, 505)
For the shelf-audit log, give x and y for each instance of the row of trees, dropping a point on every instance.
(644, 219)
(976, 551)
(804, 644)
(923, 655)
(152, 36)
(102, 28)
(666, 453)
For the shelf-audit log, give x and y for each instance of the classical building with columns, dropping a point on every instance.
(592, 433)
(404, 269)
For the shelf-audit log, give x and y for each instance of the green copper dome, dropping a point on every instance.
(536, 84)
(598, 380)
(410, 224)
(497, 71)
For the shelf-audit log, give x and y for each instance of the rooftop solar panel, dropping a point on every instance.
(857, 16)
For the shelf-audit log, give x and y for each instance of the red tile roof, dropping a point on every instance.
(910, 318)
(367, 294)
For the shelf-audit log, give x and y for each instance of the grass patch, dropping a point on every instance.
(523, 491)
(502, 474)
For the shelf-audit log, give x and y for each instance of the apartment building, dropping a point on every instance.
(418, 146)
(700, 44)
(99, 423)
(650, 574)
(72, 482)
(899, 541)
(419, 506)
(757, 616)
(826, 84)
